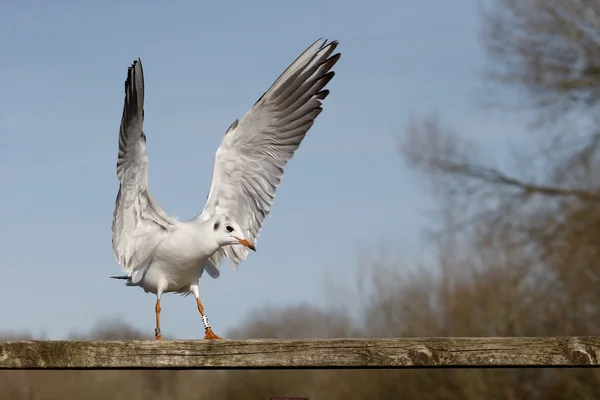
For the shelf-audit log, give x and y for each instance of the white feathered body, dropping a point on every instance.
(179, 260)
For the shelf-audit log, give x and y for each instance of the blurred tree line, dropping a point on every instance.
(516, 247)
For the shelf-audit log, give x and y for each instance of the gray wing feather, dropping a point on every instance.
(139, 222)
(250, 161)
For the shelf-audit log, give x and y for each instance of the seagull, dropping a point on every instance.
(161, 254)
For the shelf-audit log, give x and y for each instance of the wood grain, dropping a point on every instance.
(321, 354)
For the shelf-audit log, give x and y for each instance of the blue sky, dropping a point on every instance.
(345, 193)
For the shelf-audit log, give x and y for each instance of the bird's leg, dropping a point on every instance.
(207, 329)
(157, 330)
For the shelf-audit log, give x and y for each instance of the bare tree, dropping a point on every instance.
(546, 208)
(546, 49)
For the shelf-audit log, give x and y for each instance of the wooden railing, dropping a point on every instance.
(316, 354)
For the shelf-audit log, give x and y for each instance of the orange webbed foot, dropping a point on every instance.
(211, 335)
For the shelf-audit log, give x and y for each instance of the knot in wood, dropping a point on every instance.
(421, 355)
(577, 353)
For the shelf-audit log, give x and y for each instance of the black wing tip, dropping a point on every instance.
(135, 62)
(325, 79)
(134, 89)
(131, 72)
(322, 94)
(327, 42)
(124, 277)
(332, 44)
(333, 59)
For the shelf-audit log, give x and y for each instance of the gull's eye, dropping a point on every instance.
(216, 226)
(229, 228)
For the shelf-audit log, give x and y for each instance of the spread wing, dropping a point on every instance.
(250, 161)
(139, 222)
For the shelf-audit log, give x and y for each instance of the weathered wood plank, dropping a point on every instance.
(326, 353)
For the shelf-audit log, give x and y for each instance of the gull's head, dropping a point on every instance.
(227, 231)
